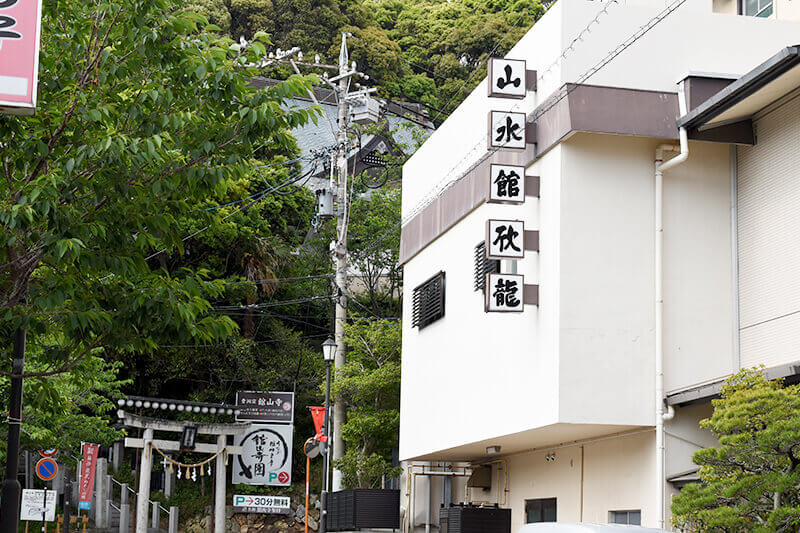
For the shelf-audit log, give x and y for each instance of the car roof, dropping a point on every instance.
(560, 527)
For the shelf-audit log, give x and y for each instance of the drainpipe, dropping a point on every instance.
(660, 167)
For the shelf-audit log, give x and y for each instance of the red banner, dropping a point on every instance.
(88, 466)
(20, 24)
(318, 415)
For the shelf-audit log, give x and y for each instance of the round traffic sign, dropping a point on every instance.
(283, 477)
(46, 469)
(50, 452)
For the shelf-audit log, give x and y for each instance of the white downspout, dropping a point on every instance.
(660, 167)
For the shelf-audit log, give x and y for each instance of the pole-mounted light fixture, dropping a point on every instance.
(328, 349)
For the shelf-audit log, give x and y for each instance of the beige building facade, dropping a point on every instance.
(661, 245)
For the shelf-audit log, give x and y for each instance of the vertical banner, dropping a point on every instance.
(88, 466)
(20, 28)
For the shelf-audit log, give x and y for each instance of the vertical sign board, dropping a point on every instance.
(33, 503)
(507, 78)
(504, 293)
(266, 457)
(506, 184)
(86, 481)
(505, 239)
(20, 28)
(507, 130)
(265, 406)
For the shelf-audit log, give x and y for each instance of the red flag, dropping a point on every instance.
(88, 467)
(318, 414)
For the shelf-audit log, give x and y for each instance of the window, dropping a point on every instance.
(483, 266)
(633, 518)
(541, 510)
(757, 8)
(428, 302)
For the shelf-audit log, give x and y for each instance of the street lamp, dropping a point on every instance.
(328, 353)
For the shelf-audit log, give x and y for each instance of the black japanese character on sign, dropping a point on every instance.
(505, 293)
(8, 22)
(502, 83)
(505, 238)
(507, 184)
(508, 132)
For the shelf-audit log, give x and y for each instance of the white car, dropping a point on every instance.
(558, 527)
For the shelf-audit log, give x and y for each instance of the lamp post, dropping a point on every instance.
(328, 353)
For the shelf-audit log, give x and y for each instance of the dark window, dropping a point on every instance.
(541, 510)
(483, 266)
(428, 302)
(633, 518)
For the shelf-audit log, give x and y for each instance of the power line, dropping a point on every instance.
(269, 341)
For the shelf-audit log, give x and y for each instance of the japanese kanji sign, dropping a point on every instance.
(506, 184)
(34, 504)
(86, 481)
(507, 129)
(507, 78)
(252, 503)
(504, 292)
(505, 239)
(20, 25)
(266, 457)
(264, 406)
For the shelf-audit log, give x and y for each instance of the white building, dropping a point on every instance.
(564, 401)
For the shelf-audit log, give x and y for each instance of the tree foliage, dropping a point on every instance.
(143, 117)
(751, 481)
(369, 385)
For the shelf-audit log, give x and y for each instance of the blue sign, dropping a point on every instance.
(46, 469)
(85, 505)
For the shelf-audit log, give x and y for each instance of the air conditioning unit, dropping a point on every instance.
(365, 110)
(474, 519)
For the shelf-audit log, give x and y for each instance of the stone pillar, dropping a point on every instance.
(145, 469)
(100, 493)
(169, 482)
(156, 520)
(124, 518)
(219, 491)
(173, 520)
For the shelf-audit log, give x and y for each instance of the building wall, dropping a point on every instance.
(769, 230)
(617, 475)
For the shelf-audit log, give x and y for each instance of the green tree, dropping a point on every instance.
(751, 481)
(142, 115)
(369, 385)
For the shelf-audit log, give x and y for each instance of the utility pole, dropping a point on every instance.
(11, 490)
(340, 251)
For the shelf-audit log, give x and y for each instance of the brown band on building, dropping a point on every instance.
(530, 295)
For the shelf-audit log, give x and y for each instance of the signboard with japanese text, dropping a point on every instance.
(34, 504)
(265, 406)
(252, 503)
(507, 130)
(504, 292)
(266, 457)
(506, 184)
(507, 78)
(86, 479)
(20, 27)
(505, 239)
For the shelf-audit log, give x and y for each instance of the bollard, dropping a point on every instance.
(155, 520)
(173, 519)
(124, 518)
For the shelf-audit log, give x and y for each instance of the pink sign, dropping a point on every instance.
(88, 466)
(20, 26)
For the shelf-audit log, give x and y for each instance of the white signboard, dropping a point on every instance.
(505, 239)
(507, 78)
(251, 503)
(506, 184)
(504, 292)
(506, 129)
(266, 457)
(33, 502)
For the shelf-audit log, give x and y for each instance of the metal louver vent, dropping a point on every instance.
(483, 266)
(428, 302)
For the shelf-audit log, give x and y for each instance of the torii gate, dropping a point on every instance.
(146, 443)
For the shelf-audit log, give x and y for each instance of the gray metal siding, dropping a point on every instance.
(769, 239)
